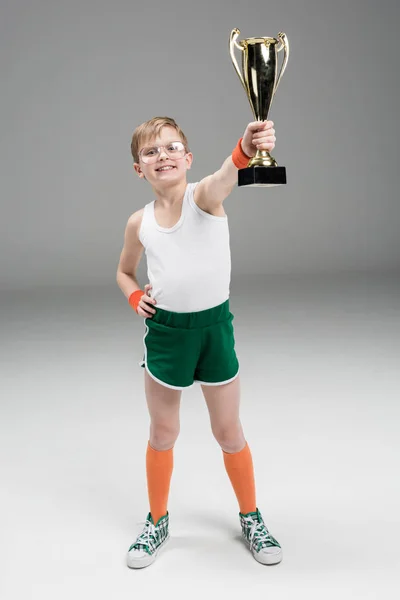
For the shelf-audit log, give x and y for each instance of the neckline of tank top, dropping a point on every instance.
(178, 223)
(168, 229)
(186, 200)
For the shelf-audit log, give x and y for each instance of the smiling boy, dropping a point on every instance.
(189, 335)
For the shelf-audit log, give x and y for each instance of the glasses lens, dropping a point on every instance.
(175, 147)
(150, 154)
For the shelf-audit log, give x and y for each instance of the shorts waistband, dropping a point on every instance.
(192, 320)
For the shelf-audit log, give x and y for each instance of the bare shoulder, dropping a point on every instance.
(135, 220)
(201, 197)
(134, 223)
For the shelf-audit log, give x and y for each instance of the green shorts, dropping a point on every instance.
(183, 348)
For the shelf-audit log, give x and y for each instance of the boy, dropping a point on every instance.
(189, 334)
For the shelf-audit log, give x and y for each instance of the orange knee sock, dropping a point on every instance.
(159, 465)
(239, 467)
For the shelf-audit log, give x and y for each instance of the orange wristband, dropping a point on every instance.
(240, 159)
(134, 299)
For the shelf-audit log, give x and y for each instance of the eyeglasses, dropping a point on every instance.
(151, 154)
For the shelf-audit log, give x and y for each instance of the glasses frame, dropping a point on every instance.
(159, 148)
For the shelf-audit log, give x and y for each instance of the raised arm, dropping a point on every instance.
(213, 189)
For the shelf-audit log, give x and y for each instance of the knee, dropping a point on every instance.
(229, 436)
(163, 435)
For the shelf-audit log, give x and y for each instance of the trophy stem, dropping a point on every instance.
(263, 159)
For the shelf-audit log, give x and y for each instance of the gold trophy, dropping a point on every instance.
(260, 82)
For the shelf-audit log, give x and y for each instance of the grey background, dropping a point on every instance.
(315, 294)
(78, 77)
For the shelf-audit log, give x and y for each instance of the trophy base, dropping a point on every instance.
(261, 176)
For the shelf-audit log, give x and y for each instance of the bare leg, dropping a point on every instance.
(223, 403)
(163, 404)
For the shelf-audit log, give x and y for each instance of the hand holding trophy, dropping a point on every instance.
(260, 82)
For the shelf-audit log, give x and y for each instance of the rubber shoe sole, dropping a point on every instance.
(139, 562)
(264, 557)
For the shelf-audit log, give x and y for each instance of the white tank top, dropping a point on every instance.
(189, 264)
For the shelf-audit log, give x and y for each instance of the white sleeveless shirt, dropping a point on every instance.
(189, 264)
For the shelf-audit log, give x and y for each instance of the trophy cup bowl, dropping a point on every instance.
(260, 79)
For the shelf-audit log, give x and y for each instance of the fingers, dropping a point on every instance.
(260, 125)
(265, 143)
(144, 307)
(265, 132)
(145, 310)
(144, 313)
(264, 136)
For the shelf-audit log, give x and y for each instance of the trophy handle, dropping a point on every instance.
(232, 43)
(283, 45)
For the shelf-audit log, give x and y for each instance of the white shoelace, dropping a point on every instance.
(144, 537)
(258, 531)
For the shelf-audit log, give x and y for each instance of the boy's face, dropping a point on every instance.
(156, 172)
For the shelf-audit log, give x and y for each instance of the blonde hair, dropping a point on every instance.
(150, 129)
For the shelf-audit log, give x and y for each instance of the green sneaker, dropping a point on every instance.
(263, 545)
(152, 539)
